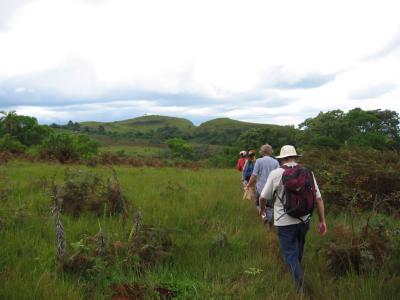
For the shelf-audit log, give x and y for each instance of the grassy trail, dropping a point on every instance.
(221, 250)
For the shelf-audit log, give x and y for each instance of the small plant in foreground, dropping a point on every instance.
(361, 252)
(85, 191)
(253, 271)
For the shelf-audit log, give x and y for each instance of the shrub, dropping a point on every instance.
(66, 147)
(85, 146)
(59, 146)
(180, 148)
(361, 252)
(11, 144)
(355, 175)
(146, 246)
(390, 204)
(83, 191)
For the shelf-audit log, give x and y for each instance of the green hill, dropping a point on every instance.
(221, 124)
(220, 131)
(153, 122)
(224, 131)
(142, 124)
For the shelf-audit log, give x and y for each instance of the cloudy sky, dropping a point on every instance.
(261, 61)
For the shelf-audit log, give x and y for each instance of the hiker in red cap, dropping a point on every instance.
(241, 161)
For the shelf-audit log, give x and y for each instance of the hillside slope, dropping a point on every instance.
(153, 122)
(221, 124)
(142, 124)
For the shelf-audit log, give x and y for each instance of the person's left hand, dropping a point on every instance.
(321, 228)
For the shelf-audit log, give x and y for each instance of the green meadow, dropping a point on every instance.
(220, 249)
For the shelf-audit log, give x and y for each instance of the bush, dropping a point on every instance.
(11, 144)
(180, 148)
(66, 147)
(372, 249)
(83, 191)
(85, 146)
(360, 176)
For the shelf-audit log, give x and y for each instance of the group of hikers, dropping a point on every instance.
(285, 194)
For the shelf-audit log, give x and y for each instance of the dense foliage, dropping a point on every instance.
(180, 148)
(363, 179)
(66, 147)
(18, 132)
(378, 129)
(368, 129)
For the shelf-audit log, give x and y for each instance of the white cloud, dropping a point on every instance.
(287, 59)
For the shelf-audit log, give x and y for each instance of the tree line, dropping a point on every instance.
(377, 129)
(20, 134)
(336, 129)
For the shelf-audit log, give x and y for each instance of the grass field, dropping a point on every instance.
(220, 248)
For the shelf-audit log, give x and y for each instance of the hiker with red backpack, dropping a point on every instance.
(292, 192)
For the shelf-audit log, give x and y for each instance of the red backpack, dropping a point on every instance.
(299, 191)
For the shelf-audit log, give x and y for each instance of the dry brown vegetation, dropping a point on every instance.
(84, 191)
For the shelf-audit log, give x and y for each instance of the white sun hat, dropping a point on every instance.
(288, 151)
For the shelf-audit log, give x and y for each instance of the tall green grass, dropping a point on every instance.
(200, 207)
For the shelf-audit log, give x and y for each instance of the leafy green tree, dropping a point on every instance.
(180, 148)
(25, 129)
(369, 139)
(275, 136)
(254, 138)
(324, 142)
(31, 133)
(72, 126)
(331, 124)
(9, 122)
(372, 128)
(168, 132)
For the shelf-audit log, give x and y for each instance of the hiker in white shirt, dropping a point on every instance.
(291, 231)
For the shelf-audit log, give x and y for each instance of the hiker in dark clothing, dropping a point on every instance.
(292, 230)
(248, 167)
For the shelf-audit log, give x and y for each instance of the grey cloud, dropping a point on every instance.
(75, 82)
(267, 99)
(309, 81)
(72, 91)
(279, 77)
(390, 47)
(372, 91)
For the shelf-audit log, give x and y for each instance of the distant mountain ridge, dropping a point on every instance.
(142, 124)
(154, 122)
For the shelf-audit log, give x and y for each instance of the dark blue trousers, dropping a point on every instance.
(292, 239)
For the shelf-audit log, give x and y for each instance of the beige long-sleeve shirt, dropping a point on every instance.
(274, 184)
